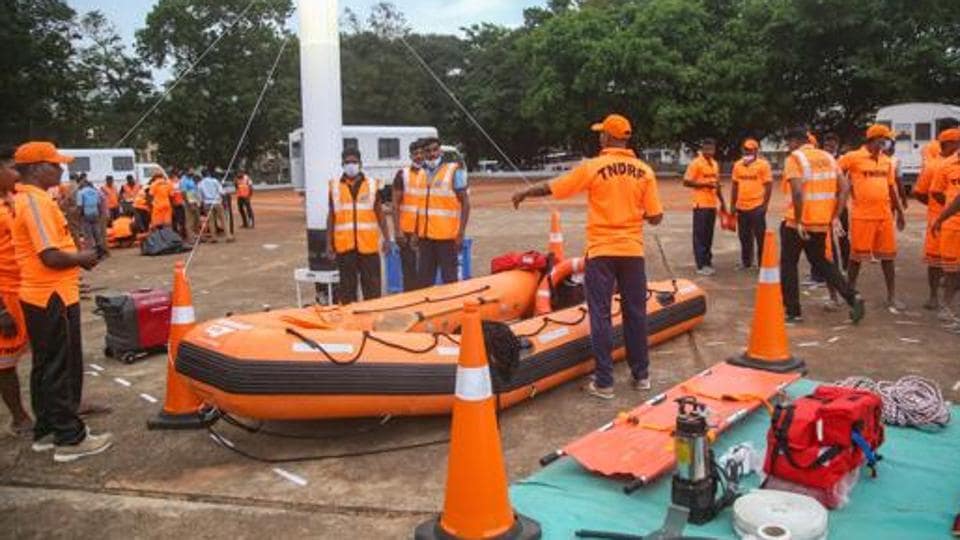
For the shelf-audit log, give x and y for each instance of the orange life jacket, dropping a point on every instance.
(819, 174)
(355, 224)
(440, 218)
(414, 190)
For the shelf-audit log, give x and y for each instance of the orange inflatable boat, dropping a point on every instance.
(398, 355)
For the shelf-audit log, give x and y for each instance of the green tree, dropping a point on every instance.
(204, 115)
(39, 97)
(115, 85)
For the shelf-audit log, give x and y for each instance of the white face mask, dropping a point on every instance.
(433, 163)
(351, 169)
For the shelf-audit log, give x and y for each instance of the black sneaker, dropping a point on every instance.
(858, 309)
(792, 319)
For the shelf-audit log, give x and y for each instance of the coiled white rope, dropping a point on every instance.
(911, 401)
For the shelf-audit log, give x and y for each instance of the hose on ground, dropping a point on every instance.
(911, 401)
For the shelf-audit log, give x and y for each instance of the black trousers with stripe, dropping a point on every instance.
(56, 379)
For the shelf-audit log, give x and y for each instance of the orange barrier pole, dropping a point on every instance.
(182, 409)
(768, 348)
(476, 504)
(555, 245)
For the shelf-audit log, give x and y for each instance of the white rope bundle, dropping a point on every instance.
(910, 401)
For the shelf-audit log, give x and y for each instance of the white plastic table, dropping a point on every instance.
(322, 277)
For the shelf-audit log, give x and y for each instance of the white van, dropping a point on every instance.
(385, 149)
(98, 163)
(145, 172)
(915, 125)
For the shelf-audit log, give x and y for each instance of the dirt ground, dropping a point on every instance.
(168, 484)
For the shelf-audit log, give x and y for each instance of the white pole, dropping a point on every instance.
(322, 115)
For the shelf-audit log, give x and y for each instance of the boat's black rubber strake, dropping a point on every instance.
(297, 377)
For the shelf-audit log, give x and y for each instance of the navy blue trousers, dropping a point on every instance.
(629, 274)
(704, 220)
(751, 226)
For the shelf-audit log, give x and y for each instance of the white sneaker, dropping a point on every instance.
(90, 446)
(946, 315)
(641, 384)
(43, 444)
(706, 271)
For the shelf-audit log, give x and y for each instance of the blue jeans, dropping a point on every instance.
(630, 275)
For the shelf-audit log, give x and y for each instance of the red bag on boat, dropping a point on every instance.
(817, 440)
(515, 260)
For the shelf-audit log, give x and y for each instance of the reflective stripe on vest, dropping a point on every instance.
(414, 189)
(441, 220)
(355, 224)
(819, 188)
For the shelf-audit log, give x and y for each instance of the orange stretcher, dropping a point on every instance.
(639, 444)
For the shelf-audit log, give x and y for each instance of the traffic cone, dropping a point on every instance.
(555, 245)
(768, 348)
(476, 504)
(182, 409)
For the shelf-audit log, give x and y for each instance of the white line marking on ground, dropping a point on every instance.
(91, 373)
(910, 340)
(298, 480)
(96, 367)
(714, 343)
(123, 382)
(840, 328)
(809, 344)
(149, 398)
(956, 387)
(907, 323)
(221, 439)
(834, 339)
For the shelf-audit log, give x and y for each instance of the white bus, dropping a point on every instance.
(385, 149)
(98, 163)
(915, 125)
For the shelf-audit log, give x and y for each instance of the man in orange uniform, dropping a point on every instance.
(50, 298)
(407, 205)
(161, 209)
(946, 190)
(703, 176)
(752, 186)
(109, 191)
(446, 211)
(177, 202)
(816, 195)
(949, 143)
(875, 199)
(621, 194)
(244, 193)
(13, 332)
(354, 224)
(128, 194)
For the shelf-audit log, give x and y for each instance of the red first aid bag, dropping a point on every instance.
(820, 438)
(515, 260)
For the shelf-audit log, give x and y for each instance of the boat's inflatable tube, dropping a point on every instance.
(398, 355)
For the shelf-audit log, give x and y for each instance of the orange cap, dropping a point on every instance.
(39, 152)
(614, 125)
(751, 144)
(949, 135)
(879, 131)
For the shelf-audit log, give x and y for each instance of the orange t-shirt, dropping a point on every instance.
(928, 174)
(704, 170)
(931, 151)
(751, 180)
(621, 192)
(870, 181)
(176, 196)
(39, 225)
(947, 182)
(9, 269)
(161, 191)
(243, 187)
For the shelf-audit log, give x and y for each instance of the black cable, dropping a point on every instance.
(259, 430)
(547, 320)
(314, 345)
(426, 300)
(320, 457)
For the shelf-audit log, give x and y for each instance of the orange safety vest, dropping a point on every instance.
(819, 176)
(140, 200)
(129, 193)
(355, 224)
(441, 207)
(414, 190)
(176, 196)
(111, 194)
(243, 187)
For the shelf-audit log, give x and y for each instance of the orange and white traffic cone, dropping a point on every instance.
(476, 504)
(555, 244)
(768, 348)
(182, 409)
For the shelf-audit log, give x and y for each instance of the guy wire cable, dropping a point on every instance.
(184, 73)
(243, 136)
